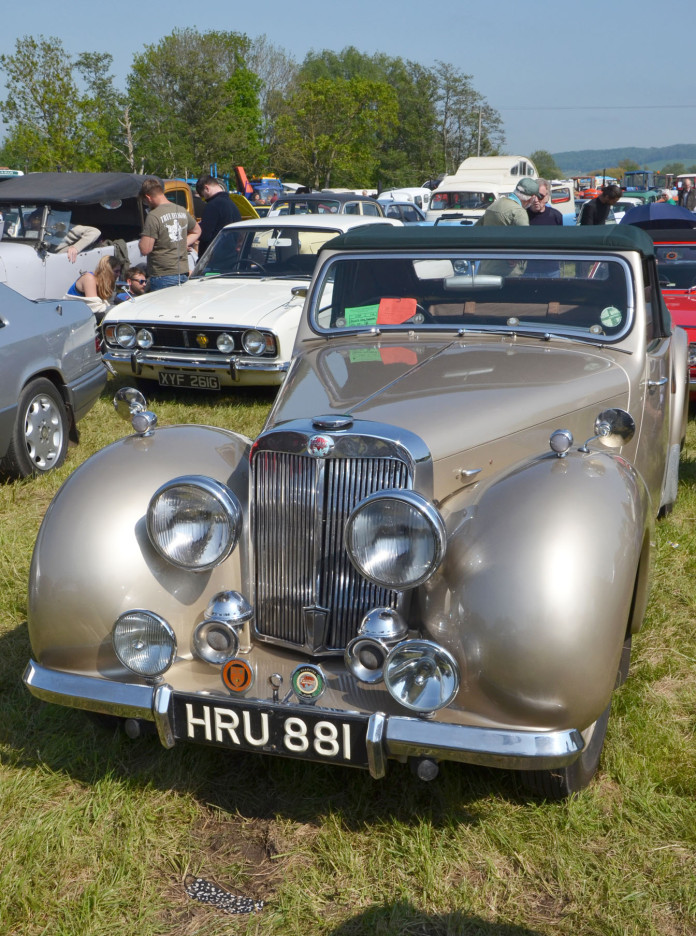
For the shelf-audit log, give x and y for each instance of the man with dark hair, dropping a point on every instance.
(219, 210)
(168, 233)
(135, 284)
(596, 211)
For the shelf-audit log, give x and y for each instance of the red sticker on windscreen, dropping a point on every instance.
(395, 311)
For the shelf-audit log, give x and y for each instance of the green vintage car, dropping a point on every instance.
(437, 549)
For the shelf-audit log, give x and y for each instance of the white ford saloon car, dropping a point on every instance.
(234, 322)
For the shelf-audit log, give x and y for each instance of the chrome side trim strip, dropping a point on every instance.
(489, 747)
(94, 694)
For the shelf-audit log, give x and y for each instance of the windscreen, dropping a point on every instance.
(676, 265)
(263, 251)
(590, 296)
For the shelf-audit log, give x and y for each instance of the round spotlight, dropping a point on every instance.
(144, 339)
(225, 343)
(215, 641)
(396, 539)
(364, 657)
(254, 342)
(194, 522)
(421, 676)
(125, 335)
(144, 643)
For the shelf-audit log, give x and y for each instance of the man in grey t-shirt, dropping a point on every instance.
(168, 233)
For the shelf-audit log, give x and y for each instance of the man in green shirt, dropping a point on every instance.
(168, 233)
(512, 208)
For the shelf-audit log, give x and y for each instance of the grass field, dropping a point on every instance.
(97, 832)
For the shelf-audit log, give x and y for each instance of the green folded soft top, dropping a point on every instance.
(590, 238)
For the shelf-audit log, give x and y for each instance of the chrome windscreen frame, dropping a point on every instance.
(372, 330)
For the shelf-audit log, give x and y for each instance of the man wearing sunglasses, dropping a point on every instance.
(135, 284)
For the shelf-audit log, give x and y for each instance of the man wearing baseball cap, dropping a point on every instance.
(511, 209)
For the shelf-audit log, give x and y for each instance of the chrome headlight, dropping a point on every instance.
(194, 522)
(421, 675)
(144, 338)
(144, 643)
(124, 335)
(254, 342)
(396, 539)
(225, 343)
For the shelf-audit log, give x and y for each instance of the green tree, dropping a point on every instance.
(58, 108)
(546, 164)
(329, 130)
(405, 152)
(467, 125)
(193, 102)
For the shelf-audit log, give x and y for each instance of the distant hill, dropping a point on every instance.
(577, 162)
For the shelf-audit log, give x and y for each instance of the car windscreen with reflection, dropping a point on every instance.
(466, 201)
(263, 251)
(676, 265)
(592, 297)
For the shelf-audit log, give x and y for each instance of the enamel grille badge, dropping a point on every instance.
(237, 675)
(308, 682)
(320, 446)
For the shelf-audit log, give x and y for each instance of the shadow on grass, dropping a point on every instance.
(403, 918)
(34, 733)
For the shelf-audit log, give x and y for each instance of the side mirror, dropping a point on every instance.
(615, 427)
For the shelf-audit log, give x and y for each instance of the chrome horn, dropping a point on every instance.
(380, 630)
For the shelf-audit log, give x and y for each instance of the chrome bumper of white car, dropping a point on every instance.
(387, 736)
(221, 364)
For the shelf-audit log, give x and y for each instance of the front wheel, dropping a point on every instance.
(39, 440)
(564, 781)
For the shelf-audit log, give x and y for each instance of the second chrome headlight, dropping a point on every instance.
(194, 522)
(395, 538)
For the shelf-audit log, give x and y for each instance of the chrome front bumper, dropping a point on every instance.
(221, 364)
(387, 736)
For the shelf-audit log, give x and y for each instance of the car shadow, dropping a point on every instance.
(41, 734)
(403, 918)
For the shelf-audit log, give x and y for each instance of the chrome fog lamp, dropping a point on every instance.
(396, 539)
(379, 631)
(125, 335)
(144, 643)
(144, 338)
(254, 342)
(225, 343)
(421, 675)
(194, 522)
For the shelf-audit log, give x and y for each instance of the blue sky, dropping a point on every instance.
(611, 75)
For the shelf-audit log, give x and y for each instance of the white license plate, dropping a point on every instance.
(290, 731)
(189, 381)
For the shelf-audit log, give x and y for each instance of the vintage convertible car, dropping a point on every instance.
(438, 547)
(43, 213)
(234, 322)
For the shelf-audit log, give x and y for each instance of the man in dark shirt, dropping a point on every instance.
(219, 210)
(597, 210)
(539, 211)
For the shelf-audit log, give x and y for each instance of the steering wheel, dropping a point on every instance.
(250, 263)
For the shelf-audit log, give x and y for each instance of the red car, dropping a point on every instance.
(676, 264)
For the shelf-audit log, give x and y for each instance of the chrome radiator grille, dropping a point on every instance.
(307, 592)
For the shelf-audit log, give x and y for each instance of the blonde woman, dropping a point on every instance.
(97, 289)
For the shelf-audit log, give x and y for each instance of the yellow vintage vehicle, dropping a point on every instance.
(437, 549)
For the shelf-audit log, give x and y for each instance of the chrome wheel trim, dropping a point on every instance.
(43, 431)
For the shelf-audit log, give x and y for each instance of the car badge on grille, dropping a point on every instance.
(320, 446)
(237, 675)
(308, 682)
(202, 341)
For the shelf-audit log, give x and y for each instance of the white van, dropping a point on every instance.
(476, 184)
(418, 195)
